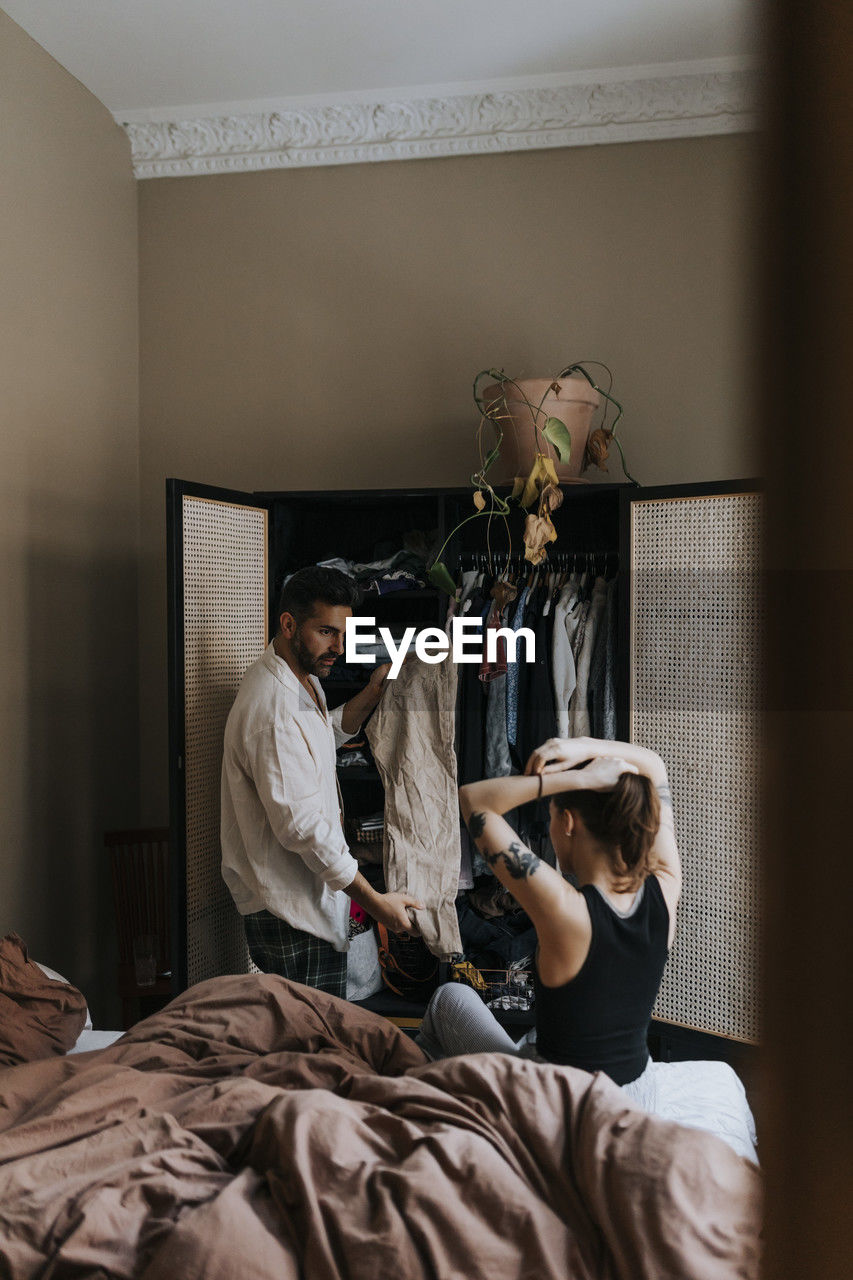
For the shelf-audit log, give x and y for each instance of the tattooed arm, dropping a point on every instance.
(547, 898)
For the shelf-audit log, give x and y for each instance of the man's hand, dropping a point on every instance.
(392, 910)
(359, 707)
(378, 677)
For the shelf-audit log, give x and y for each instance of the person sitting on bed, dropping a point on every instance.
(602, 946)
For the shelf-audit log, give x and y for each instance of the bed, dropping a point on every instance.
(256, 1127)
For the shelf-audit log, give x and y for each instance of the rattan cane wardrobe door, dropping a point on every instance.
(695, 698)
(225, 630)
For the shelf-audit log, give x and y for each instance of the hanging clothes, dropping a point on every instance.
(490, 670)
(579, 725)
(536, 720)
(496, 755)
(513, 671)
(562, 658)
(471, 703)
(583, 607)
(458, 604)
(602, 672)
(497, 761)
(411, 737)
(571, 679)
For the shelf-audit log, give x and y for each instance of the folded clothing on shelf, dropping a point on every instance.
(397, 580)
(355, 753)
(367, 829)
(352, 759)
(418, 549)
(366, 834)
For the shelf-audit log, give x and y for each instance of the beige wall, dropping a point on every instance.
(322, 327)
(69, 510)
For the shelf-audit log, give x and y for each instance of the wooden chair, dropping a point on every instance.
(140, 874)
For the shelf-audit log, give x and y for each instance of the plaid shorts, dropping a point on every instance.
(276, 947)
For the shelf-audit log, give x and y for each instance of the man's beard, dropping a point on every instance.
(313, 666)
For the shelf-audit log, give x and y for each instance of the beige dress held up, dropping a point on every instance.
(411, 737)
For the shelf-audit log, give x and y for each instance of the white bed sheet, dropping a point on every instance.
(701, 1095)
(89, 1039)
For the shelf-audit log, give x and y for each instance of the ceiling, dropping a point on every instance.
(152, 58)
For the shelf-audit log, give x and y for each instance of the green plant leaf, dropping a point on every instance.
(558, 434)
(439, 576)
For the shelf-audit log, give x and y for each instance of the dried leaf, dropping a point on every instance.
(531, 488)
(550, 498)
(517, 488)
(541, 473)
(550, 471)
(503, 593)
(598, 449)
(556, 388)
(558, 433)
(538, 531)
(479, 500)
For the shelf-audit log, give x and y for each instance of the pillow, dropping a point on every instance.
(57, 977)
(38, 1015)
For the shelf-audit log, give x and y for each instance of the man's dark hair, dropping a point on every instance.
(316, 585)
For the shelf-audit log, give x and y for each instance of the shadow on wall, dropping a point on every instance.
(79, 758)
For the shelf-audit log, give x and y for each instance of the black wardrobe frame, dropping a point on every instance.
(668, 1040)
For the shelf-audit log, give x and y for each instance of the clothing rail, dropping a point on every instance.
(571, 560)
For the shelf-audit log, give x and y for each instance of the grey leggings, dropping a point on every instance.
(457, 1021)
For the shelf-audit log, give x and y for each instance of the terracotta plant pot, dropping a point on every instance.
(575, 406)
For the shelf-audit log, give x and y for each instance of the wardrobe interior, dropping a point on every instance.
(682, 564)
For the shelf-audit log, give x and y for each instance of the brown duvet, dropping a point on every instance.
(256, 1129)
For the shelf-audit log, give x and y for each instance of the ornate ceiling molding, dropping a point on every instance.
(634, 109)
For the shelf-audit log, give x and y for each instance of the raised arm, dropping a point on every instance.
(355, 712)
(559, 754)
(667, 860)
(552, 903)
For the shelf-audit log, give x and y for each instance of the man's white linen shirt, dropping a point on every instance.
(283, 848)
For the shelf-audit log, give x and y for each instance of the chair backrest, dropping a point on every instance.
(140, 871)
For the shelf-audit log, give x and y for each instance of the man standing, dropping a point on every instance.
(284, 856)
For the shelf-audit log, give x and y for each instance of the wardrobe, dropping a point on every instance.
(688, 685)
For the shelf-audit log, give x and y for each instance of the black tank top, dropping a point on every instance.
(600, 1019)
